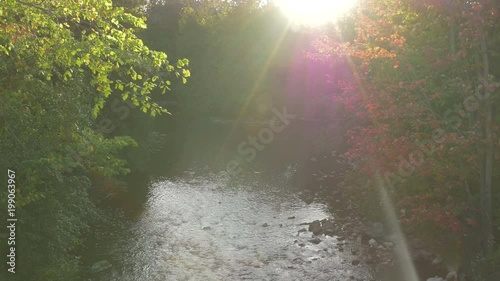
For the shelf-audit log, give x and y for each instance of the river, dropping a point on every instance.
(201, 224)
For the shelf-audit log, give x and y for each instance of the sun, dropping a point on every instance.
(314, 12)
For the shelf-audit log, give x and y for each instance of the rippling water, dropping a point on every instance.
(213, 228)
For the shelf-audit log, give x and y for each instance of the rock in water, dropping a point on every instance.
(373, 243)
(437, 260)
(100, 266)
(435, 279)
(315, 240)
(452, 276)
(315, 227)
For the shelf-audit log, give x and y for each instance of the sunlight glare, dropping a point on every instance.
(314, 12)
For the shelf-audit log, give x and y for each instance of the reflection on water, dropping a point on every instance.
(214, 228)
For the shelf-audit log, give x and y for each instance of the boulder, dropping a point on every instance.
(315, 227)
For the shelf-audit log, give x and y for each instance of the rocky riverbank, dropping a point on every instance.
(373, 244)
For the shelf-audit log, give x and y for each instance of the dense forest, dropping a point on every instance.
(407, 93)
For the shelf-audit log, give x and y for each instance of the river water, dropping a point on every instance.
(203, 224)
(211, 227)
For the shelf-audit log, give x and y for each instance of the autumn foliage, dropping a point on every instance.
(424, 89)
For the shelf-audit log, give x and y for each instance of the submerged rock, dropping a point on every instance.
(100, 266)
(315, 240)
(302, 230)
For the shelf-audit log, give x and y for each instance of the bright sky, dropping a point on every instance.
(314, 12)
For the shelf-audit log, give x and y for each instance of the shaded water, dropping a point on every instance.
(211, 227)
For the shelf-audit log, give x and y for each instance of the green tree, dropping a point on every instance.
(60, 61)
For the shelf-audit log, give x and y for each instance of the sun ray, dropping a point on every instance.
(255, 87)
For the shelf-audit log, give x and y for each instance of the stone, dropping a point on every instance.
(355, 262)
(315, 227)
(437, 260)
(207, 228)
(100, 266)
(372, 243)
(453, 276)
(315, 240)
(291, 218)
(265, 225)
(388, 244)
(435, 279)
